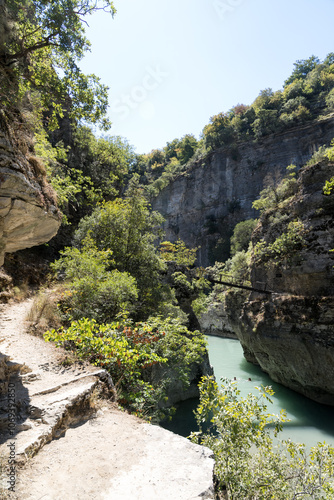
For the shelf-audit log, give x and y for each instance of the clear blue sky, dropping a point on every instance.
(171, 65)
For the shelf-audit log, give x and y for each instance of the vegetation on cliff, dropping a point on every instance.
(308, 94)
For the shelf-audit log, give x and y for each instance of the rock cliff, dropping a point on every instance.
(28, 213)
(291, 333)
(203, 205)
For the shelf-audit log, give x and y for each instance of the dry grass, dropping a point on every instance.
(21, 292)
(38, 165)
(44, 313)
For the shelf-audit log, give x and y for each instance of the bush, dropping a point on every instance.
(277, 191)
(242, 235)
(249, 465)
(178, 252)
(285, 246)
(95, 292)
(129, 351)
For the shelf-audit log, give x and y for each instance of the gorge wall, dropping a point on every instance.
(203, 205)
(290, 333)
(28, 212)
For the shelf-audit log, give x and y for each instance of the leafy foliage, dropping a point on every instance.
(285, 246)
(323, 154)
(43, 44)
(178, 252)
(106, 161)
(242, 235)
(249, 465)
(129, 351)
(95, 292)
(277, 191)
(128, 229)
(329, 186)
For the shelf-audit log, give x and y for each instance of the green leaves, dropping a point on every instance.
(45, 42)
(285, 246)
(97, 292)
(178, 252)
(129, 351)
(249, 464)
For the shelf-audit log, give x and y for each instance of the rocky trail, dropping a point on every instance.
(68, 445)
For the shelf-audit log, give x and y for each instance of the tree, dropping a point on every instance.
(41, 43)
(242, 235)
(218, 132)
(105, 160)
(178, 252)
(302, 68)
(129, 229)
(95, 291)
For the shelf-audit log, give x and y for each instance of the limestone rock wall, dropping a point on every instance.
(203, 205)
(290, 334)
(28, 213)
(215, 321)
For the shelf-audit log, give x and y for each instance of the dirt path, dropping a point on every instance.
(110, 456)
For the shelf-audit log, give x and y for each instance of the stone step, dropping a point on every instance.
(45, 415)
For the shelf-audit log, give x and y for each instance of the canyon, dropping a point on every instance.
(288, 333)
(202, 206)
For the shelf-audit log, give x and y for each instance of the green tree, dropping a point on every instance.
(129, 229)
(218, 132)
(178, 252)
(302, 68)
(107, 160)
(242, 235)
(41, 45)
(95, 291)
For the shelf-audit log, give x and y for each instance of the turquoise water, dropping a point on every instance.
(309, 423)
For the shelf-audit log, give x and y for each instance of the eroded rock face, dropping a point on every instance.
(28, 213)
(215, 321)
(290, 334)
(202, 206)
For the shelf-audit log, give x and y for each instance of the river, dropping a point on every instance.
(309, 423)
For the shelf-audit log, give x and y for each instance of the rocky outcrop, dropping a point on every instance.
(291, 333)
(28, 213)
(203, 205)
(215, 321)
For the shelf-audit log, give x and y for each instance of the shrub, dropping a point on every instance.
(129, 351)
(277, 190)
(178, 252)
(249, 465)
(284, 246)
(242, 235)
(95, 292)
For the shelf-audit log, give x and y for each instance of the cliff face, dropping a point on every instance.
(28, 213)
(202, 206)
(291, 333)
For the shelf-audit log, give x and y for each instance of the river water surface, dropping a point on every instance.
(309, 423)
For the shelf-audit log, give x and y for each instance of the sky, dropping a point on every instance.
(171, 65)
